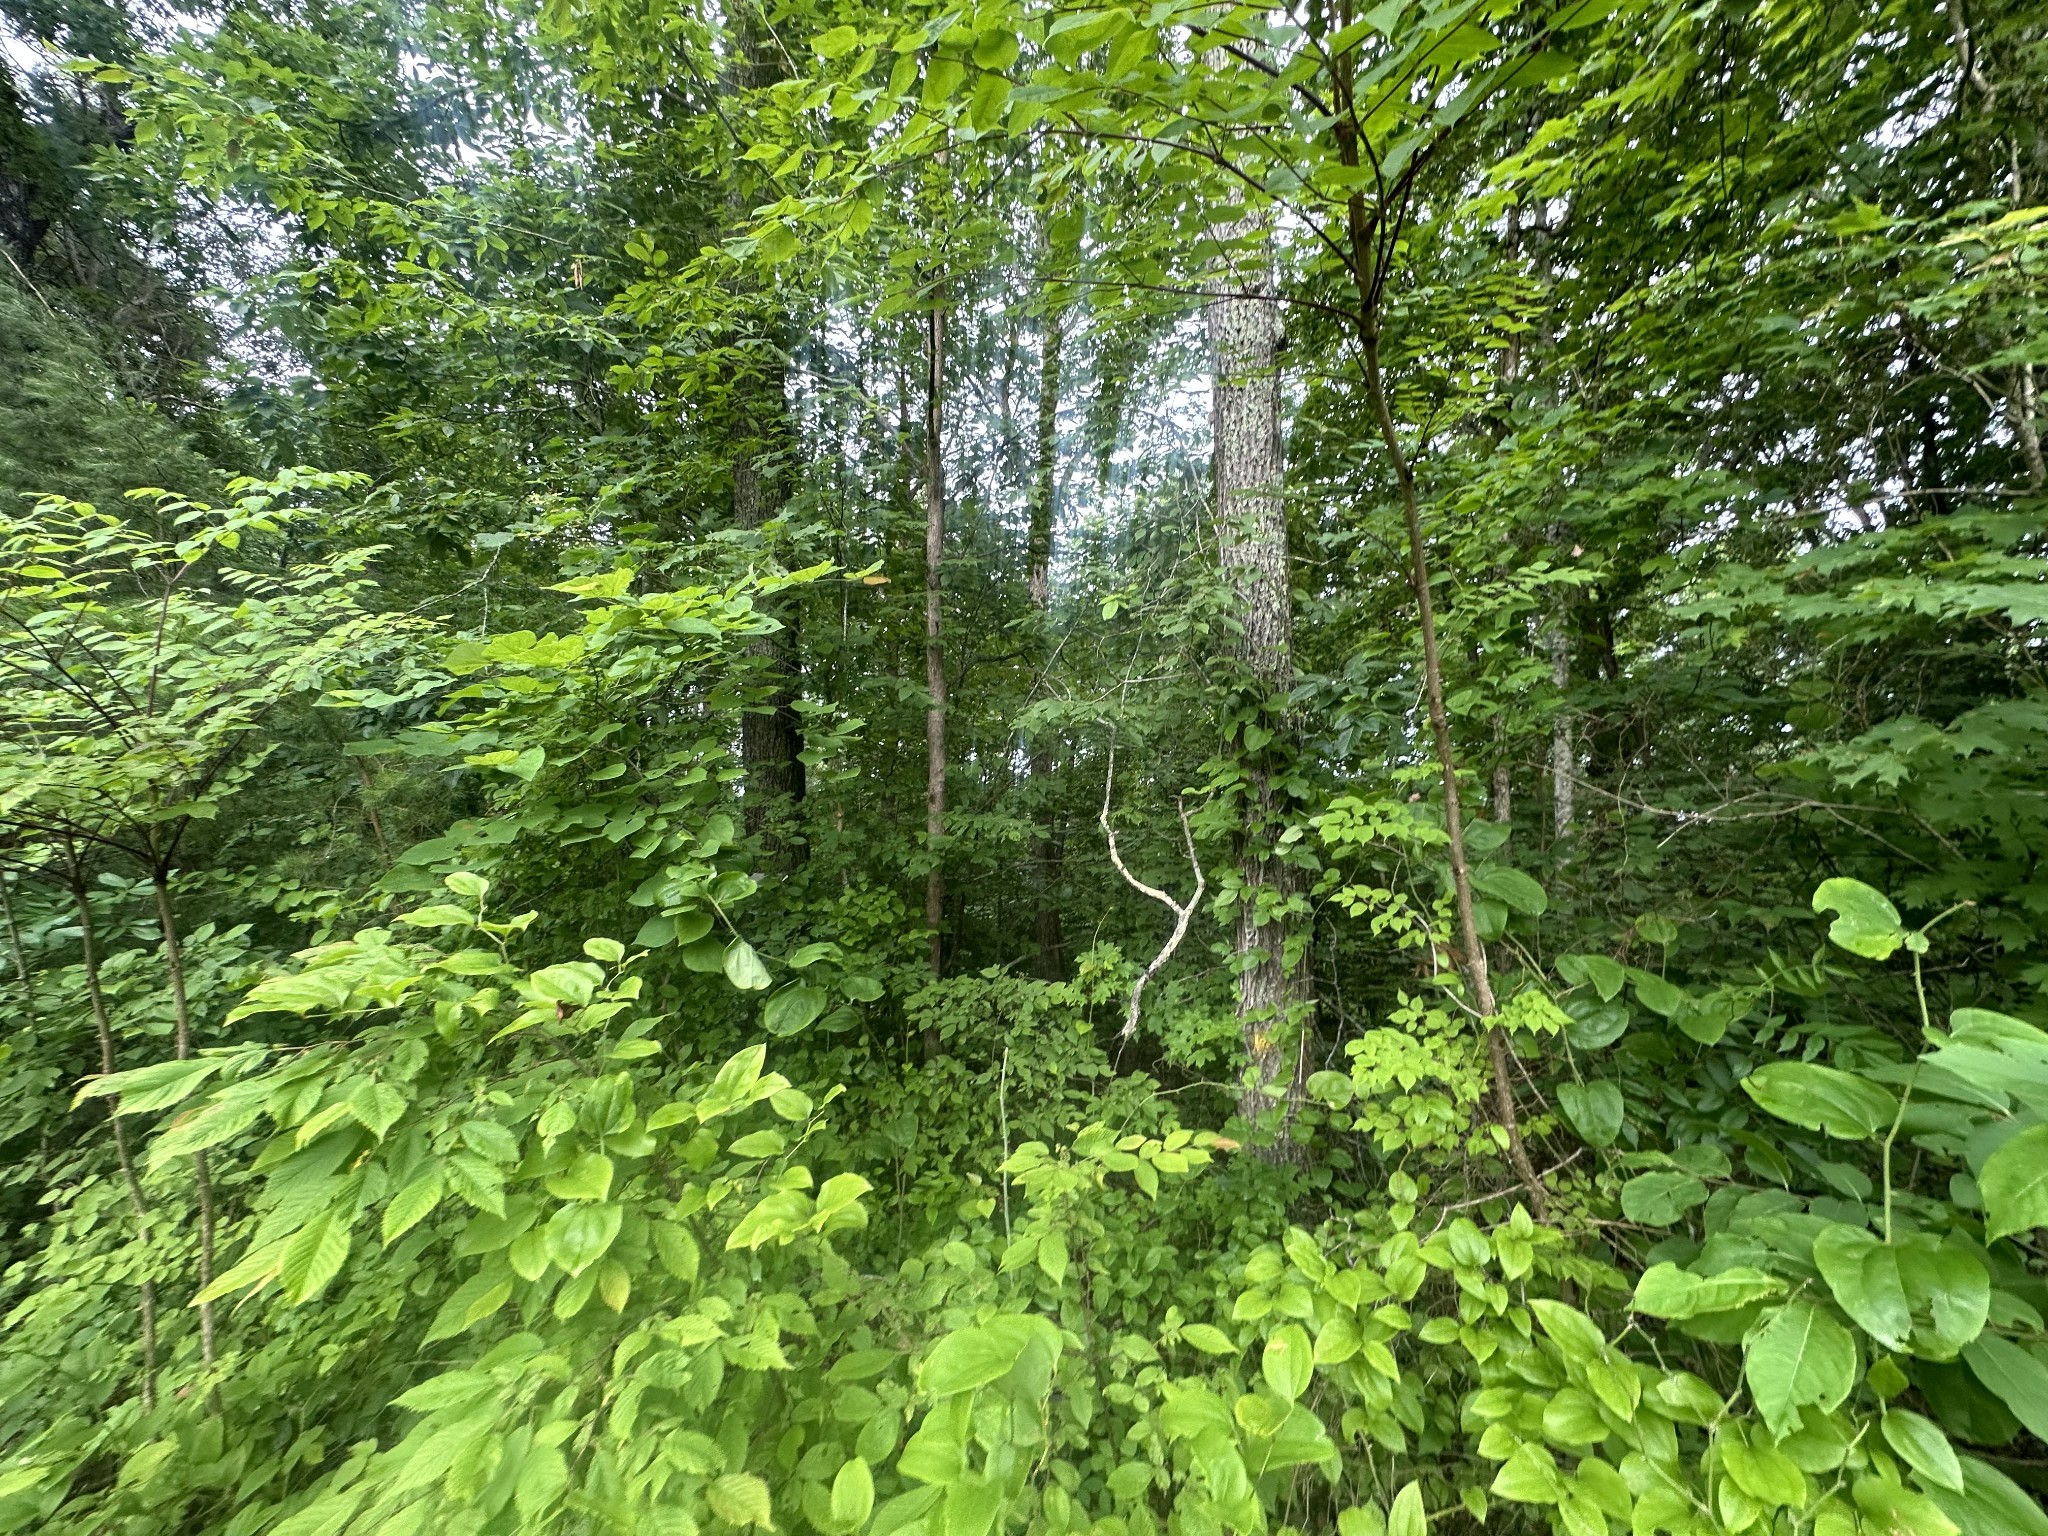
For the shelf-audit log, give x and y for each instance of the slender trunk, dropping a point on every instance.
(146, 1301)
(1564, 764)
(370, 810)
(1366, 277)
(1275, 1000)
(202, 1178)
(1473, 955)
(1047, 929)
(21, 971)
(2023, 408)
(771, 734)
(934, 639)
(1503, 782)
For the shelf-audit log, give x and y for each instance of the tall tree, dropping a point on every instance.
(1274, 994)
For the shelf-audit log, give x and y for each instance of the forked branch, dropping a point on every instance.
(1183, 914)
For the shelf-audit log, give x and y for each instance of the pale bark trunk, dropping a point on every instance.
(1047, 930)
(934, 633)
(1564, 762)
(1274, 1003)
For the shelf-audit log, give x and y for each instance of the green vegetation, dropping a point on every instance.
(888, 770)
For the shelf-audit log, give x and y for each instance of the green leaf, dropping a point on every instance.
(1512, 888)
(543, 1479)
(1868, 924)
(573, 983)
(412, 1205)
(1407, 1516)
(1210, 1340)
(835, 43)
(1667, 1291)
(775, 1218)
(589, 1177)
(1594, 1109)
(1529, 1476)
(2016, 1376)
(758, 1144)
(2014, 1184)
(1289, 1361)
(1863, 1273)
(579, 1235)
(793, 1009)
(1604, 975)
(1659, 1199)
(1052, 1257)
(1656, 994)
(740, 1498)
(313, 1257)
(1799, 1356)
(743, 968)
(853, 1495)
(970, 1358)
(1822, 1099)
(1991, 1504)
(153, 1087)
(1924, 1448)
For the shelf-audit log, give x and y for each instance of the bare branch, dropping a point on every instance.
(1182, 914)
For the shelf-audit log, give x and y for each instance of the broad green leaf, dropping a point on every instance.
(1406, 1516)
(1210, 1340)
(2014, 1184)
(1511, 887)
(579, 1235)
(793, 1009)
(2014, 1374)
(543, 1479)
(1667, 1291)
(1867, 924)
(1604, 975)
(588, 1177)
(411, 1205)
(1822, 1099)
(1594, 1109)
(853, 1495)
(1659, 1199)
(1799, 1356)
(740, 1498)
(743, 968)
(1289, 1361)
(1924, 1448)
(314, 1257)
(1052, 1257)
(775, 1218)
(1863, 1274)
(969, 1358)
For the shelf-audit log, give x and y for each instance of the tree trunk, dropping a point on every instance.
(1564, 762)
(771, 733)
(1274, 1002)
(934, 638)
(146, 1297)
(1047, 849)
(181, 1014)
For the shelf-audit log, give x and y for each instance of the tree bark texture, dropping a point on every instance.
(1274, 1005)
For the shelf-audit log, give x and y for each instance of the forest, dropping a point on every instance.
(979, 768)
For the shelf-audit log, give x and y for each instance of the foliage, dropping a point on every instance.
(529, 1008)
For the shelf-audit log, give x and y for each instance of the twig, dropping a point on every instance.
(1182, 914)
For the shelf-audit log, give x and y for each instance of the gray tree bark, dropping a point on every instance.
(1275, 1005)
